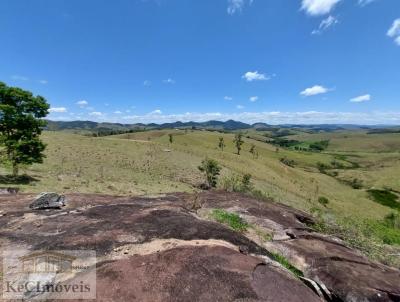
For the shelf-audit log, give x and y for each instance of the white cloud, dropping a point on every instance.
(169, 81)
(82, 103)
(240, 107)
(317, 89)
(325, 24)
(147, 83)
(117, 112)
(364, 2)
(253, 99)
(318, 7)
(361, 98)
(157, 111)
(58, 109)
(394, 31)
(235, 6)
(228, 98)
(19, 78)
(44, 82)
(255, 76)
(95, 113)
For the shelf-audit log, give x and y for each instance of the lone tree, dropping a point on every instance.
(238, 141)
(221, 143)
(211, 168)
(171, 138)
(21, 124)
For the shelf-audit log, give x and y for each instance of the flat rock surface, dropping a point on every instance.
(159, 249)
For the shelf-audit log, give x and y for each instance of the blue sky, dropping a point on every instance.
(274, 61)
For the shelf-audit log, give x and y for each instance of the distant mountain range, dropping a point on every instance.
(210, 125)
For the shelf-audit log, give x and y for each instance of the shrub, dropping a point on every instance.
(211, 169)
(323, 200)
(356, 183)
(246, 184)
(322, 167)
(288, 162)
(231, 219)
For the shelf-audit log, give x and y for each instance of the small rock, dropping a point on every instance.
(48, 200)
(244, 249)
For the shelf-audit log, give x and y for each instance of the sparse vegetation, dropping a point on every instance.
(231, 219)
(385, 197)
(285, 263)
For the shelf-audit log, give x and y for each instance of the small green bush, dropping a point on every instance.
(231, 219)
(211, 168)
(323, 200)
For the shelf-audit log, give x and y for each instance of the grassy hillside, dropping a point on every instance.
(146, 163)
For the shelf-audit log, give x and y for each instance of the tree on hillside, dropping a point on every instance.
(211, 168)
(21, 124)
(171, 138)
(221, 143)
(253, 150)
(238, 141)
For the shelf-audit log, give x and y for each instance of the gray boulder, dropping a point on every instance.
(48, 200)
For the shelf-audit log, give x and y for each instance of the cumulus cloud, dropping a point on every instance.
(228, 98)
(361, 98)
(318, 7)
(58, 109)
(394, 31)
(44, 82)
(117, 112)
(255, 76)
(240, 107)
(325, 24)
(82, 103)
(95, 113)
(315, 90)
(253, 99)
(235, 6)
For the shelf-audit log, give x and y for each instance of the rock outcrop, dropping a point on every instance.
(167, 249)
(48, 200)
